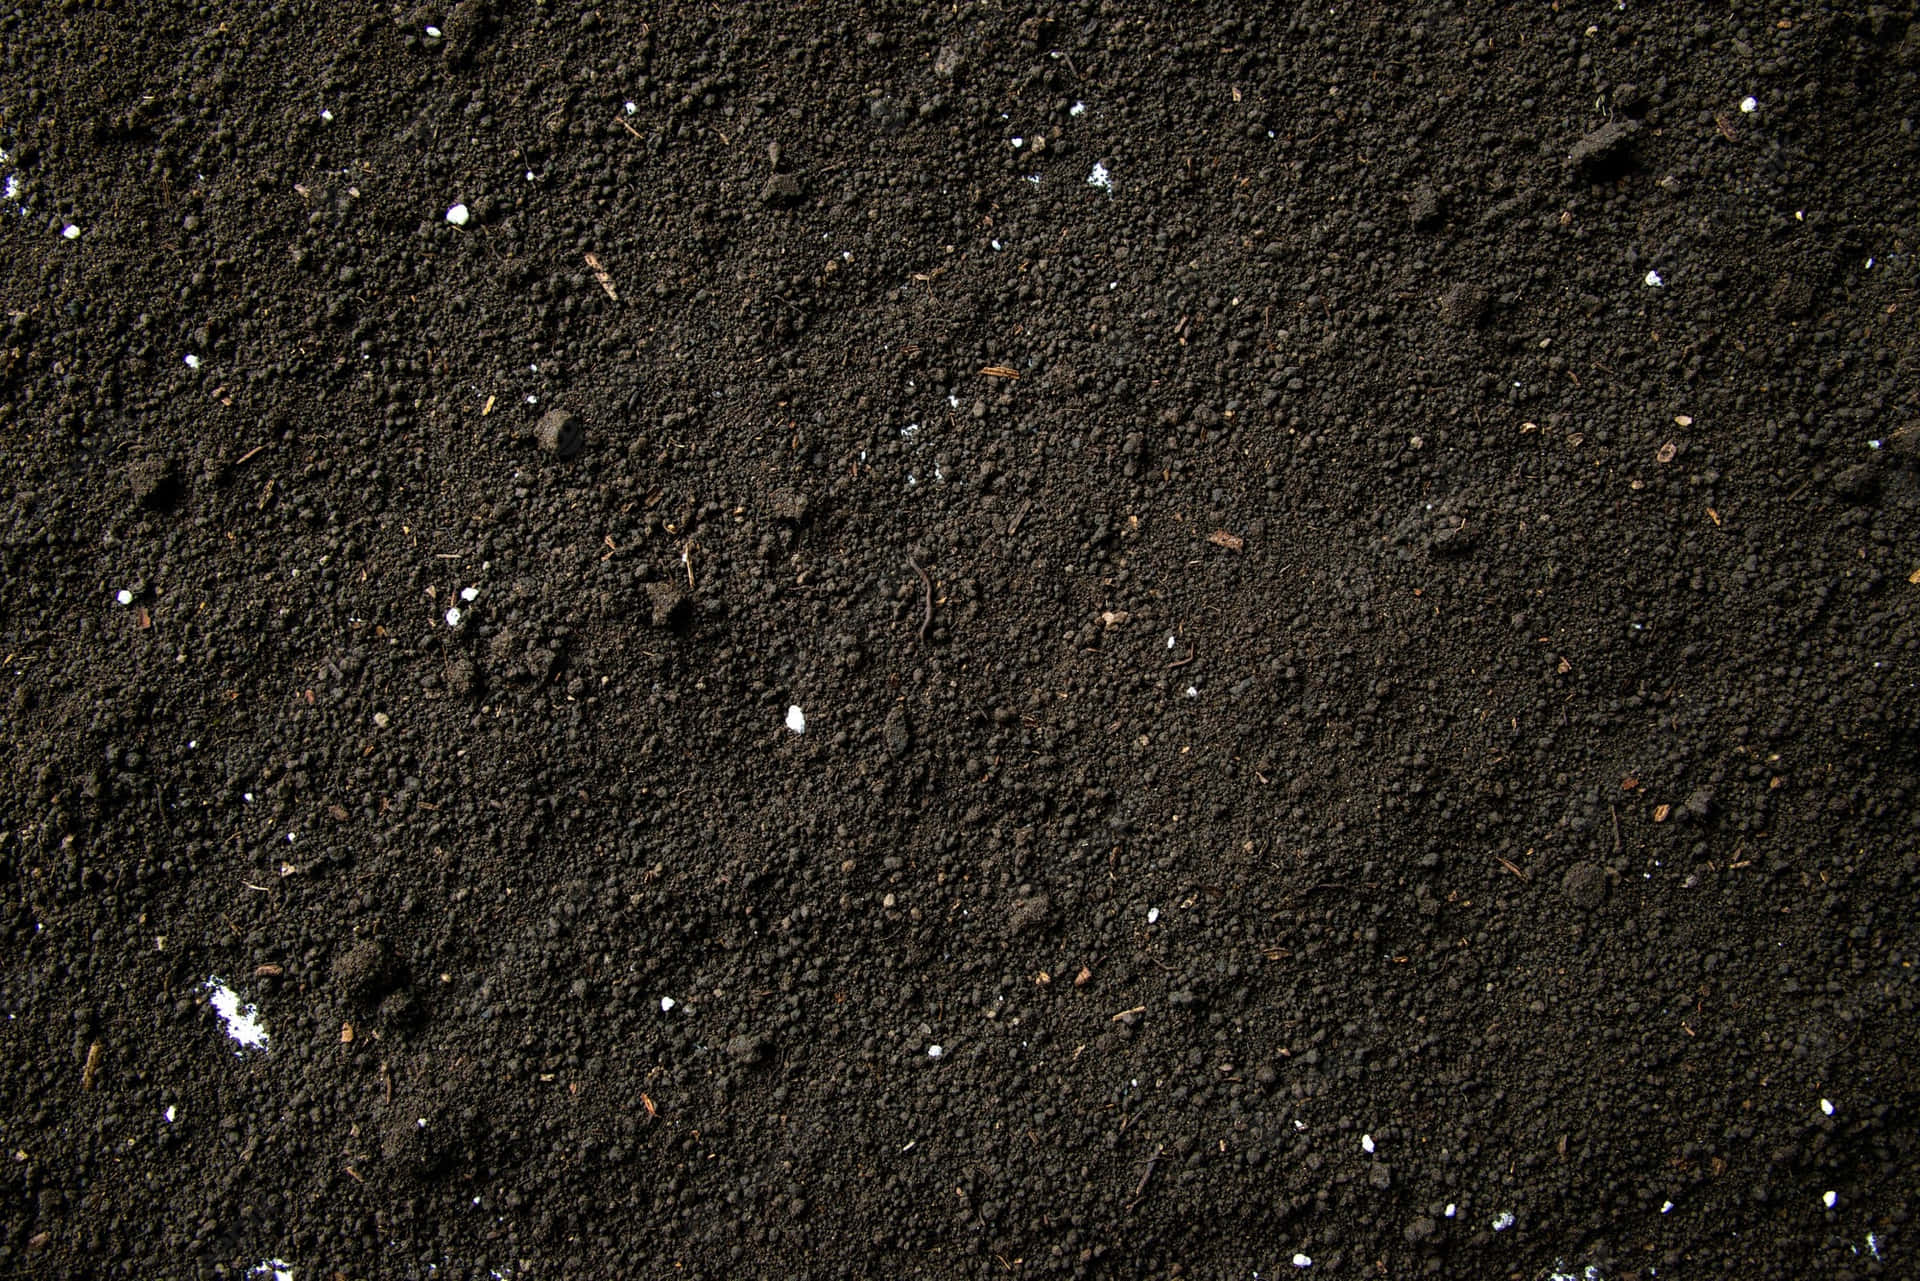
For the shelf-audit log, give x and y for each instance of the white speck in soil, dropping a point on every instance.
(1826, 1106)
(326, 115)
(192, 361)
(458, 215)
(271, 1270)
(1503, 1221)
(666, 1004)
(1153, 914)
(1101, 178)
(123, 596)
(1666, 1207)
(1451, 1209)
(796, 719)
(453, 618)
(169, 1115)
(1830, 1199)
(633, 108)
(1749, 105)
(1366, 1143)
(242, 1019)
(70, 231)
(470, 593)
(1077, 109)
(433, 32)
(1302, 1261)
(1655, 280)
(936, 1051)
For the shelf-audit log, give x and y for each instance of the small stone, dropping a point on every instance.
(1856, 483)
(1030, 913)
(748, 1048)
(781, 190)
(1427, 210)
(366, 972)
(559, 433)
(1585, 886)
(1603, 146)
(666, 602)
(898, 732)
(1380, 1176)
(458, 215)
(153, 483)
(1464, 306)
(949, 62)
(1420, 1230)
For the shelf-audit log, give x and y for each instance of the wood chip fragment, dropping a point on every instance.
(268, 971)
(1001, 371)
(93, 1066)
(1667, 453)
(1221, 538)
(1914, 577)
(1660, 813)
(601, 274)
(346, 1034)
(1127, 1014)
(647, 1103)
(1084, 977)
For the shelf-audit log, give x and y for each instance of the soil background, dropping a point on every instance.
(1350, 576)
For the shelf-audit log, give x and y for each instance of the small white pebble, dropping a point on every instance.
(796, 719)
(1830, 1200)
(1302, 1261)
(1451, 1207)
(170, 1114)
(1300, 1125)
(666, 1004)
(633, 108)
(470, 593)
(1666, 1207)
(326, 115)
(1654, 280)
(935, 1051)
(382, 720)
(1193, 692)
(458, 215)
(434, 32)
(1100, 178)
(1826, 1105)
(1153, 914)
(1077, 109)
(1503, 1221)
(123, 596)
(193, 361)
(1749, 105)
(1018, 142)
(70, 231)
(453, 617)
(1366, 1143)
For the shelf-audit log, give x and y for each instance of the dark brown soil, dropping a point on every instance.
(1352, 579)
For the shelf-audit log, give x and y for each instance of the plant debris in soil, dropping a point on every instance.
(1352, 575)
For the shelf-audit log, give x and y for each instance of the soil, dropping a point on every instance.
(1348, 580)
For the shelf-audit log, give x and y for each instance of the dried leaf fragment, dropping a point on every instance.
(1001, 371)
(1660, 813)
(93, 1066)
(267, 971)
(1221, 538)
(1084, 977)
(601, 274)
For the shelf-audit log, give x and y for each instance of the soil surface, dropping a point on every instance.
(1143, 641)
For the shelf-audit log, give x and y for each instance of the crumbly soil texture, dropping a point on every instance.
(959, 641)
